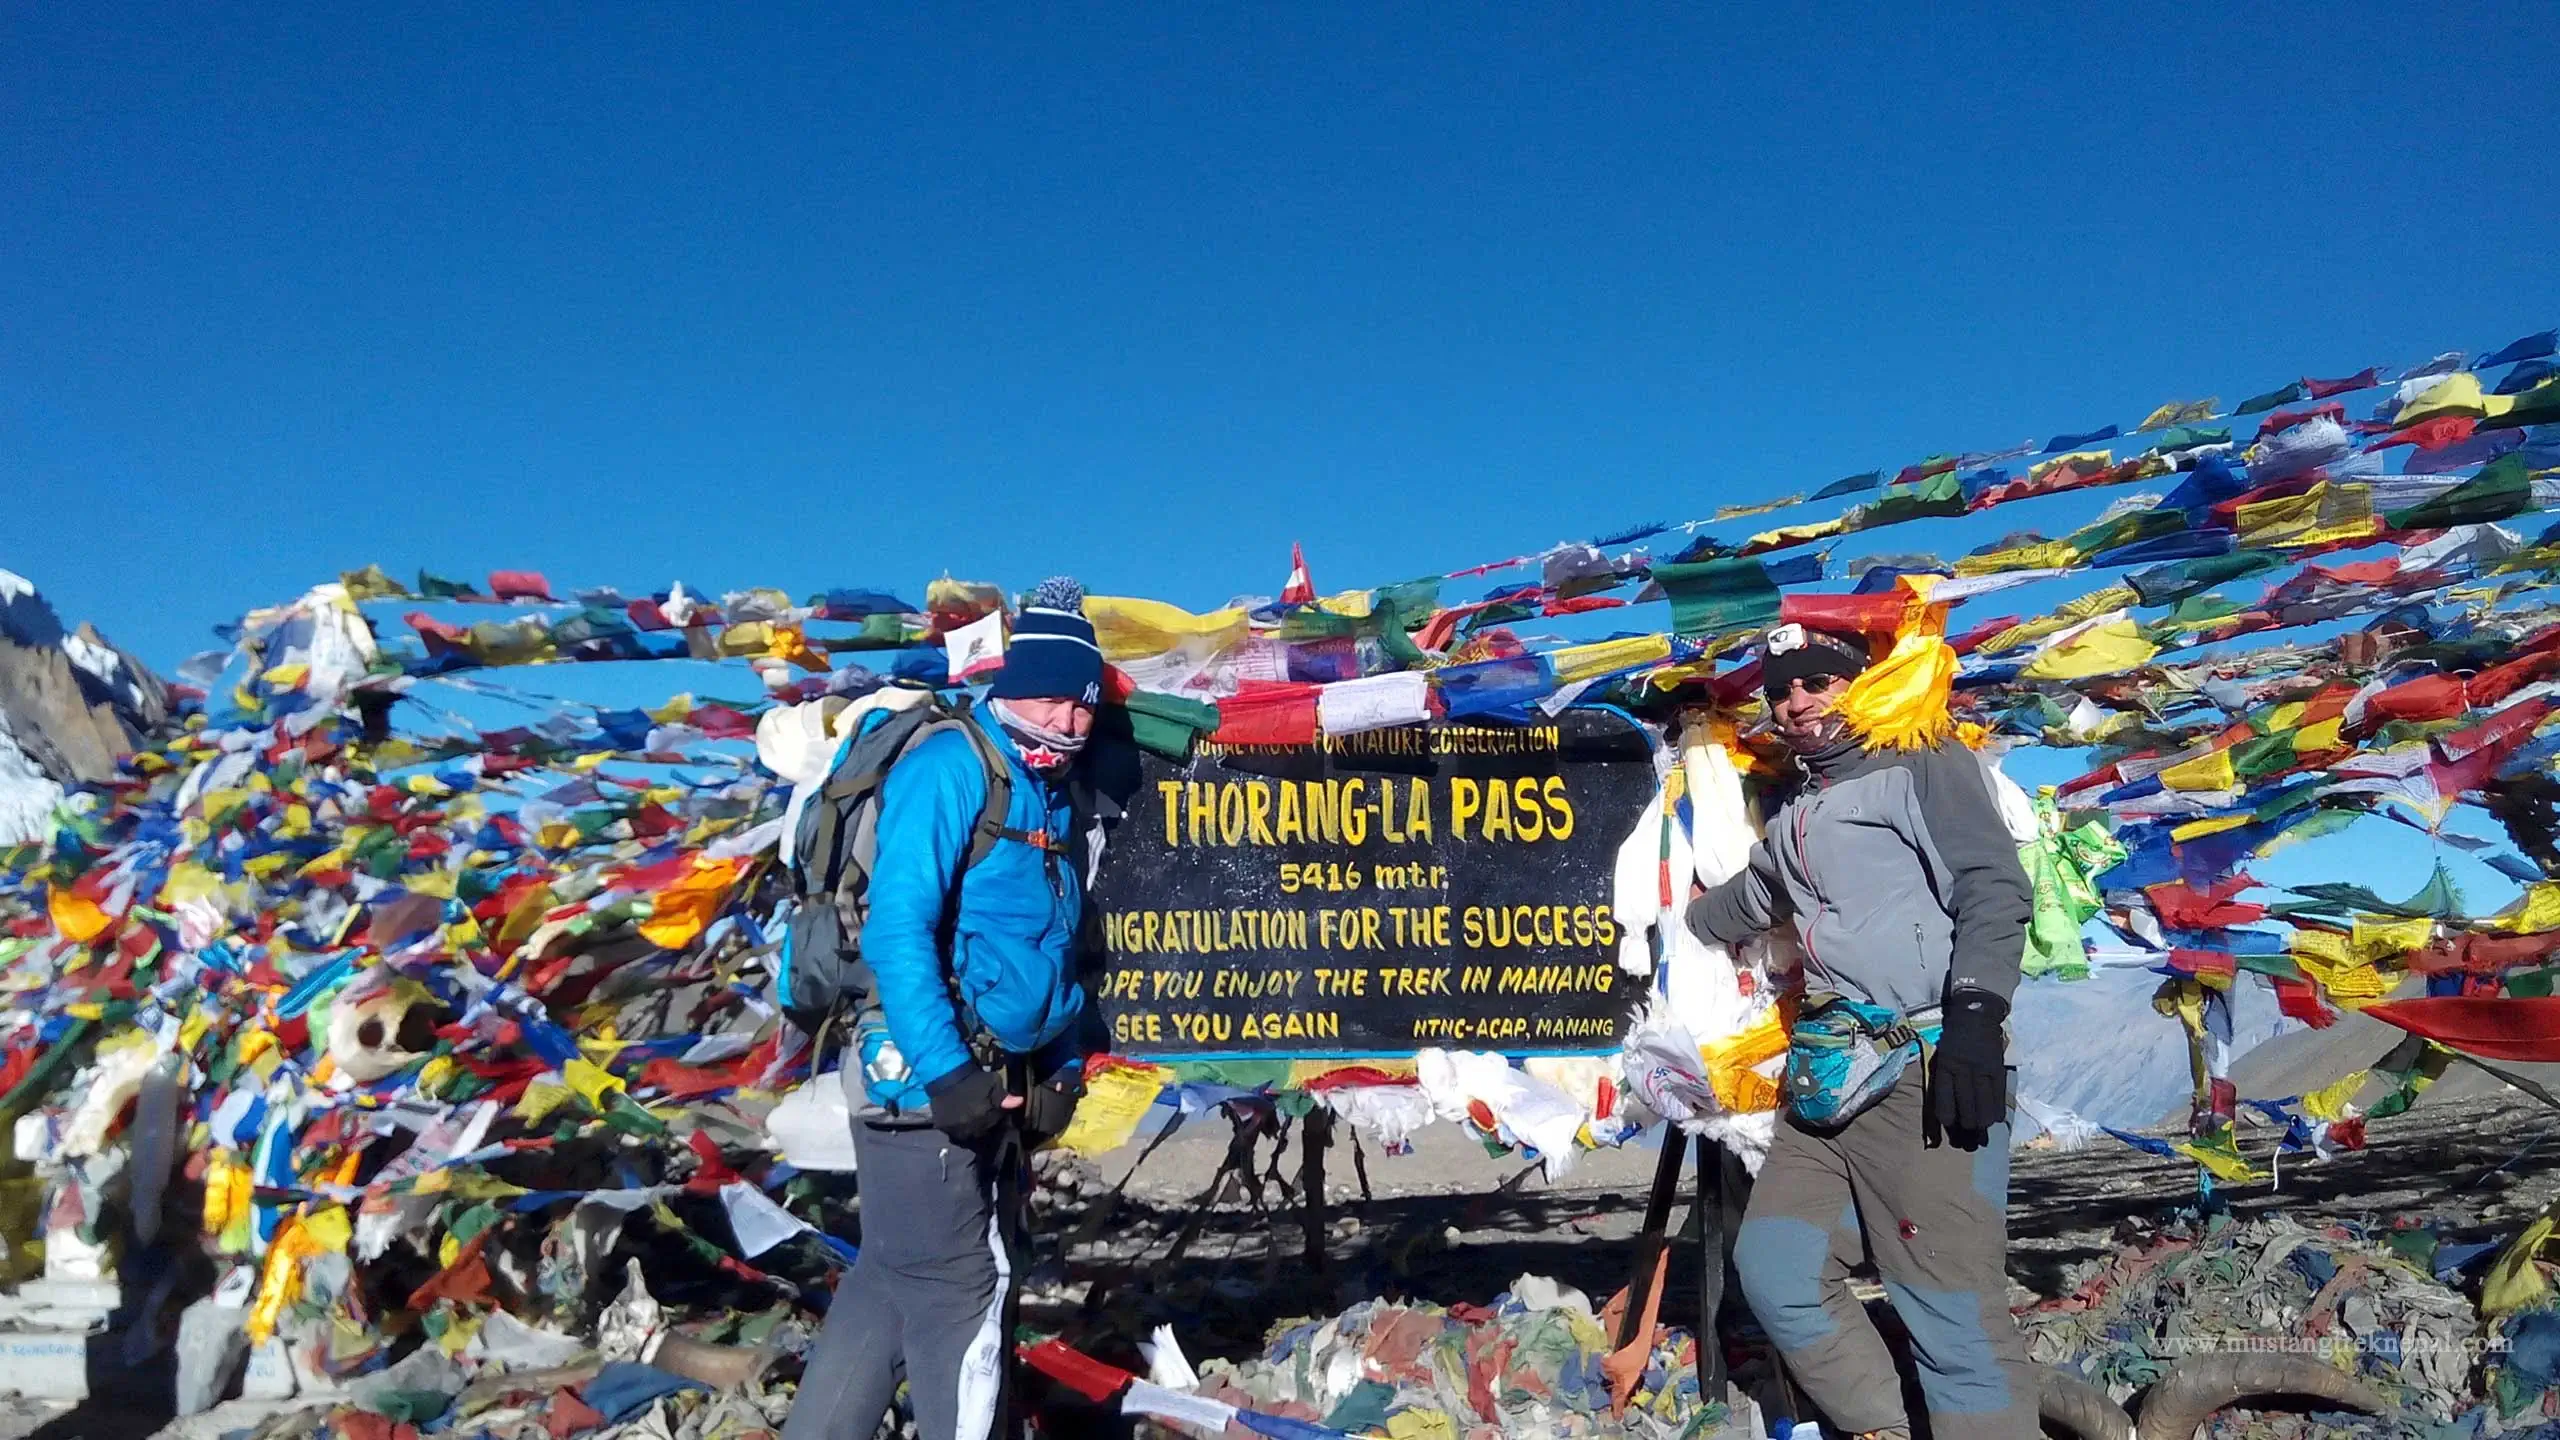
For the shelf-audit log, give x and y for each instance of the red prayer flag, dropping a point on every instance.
(2201, 963)
(1076, 1370)
(1969, 641)
(1301, 589)
(2429, 697)
(1858, 614)
(2287, 419)
(1268, 712)
(519, 585)
(568, 1415)
(2297, 999)
(2213, 909)
(2435, 434)
(2361, 380)
(2508, 1027)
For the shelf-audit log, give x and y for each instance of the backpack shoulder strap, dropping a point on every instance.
(991, 825)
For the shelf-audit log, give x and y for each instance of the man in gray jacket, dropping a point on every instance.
(1905, 888)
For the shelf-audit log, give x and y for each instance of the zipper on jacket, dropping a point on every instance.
(1804, 861)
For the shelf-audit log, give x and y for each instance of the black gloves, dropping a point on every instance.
(968, 1103)
(1051, 1107)
(1969, 1082)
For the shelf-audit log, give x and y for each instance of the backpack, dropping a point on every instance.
(821, 972)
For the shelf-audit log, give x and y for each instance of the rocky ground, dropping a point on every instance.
(1449, 1222)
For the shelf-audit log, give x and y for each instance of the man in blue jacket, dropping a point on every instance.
(977, 981)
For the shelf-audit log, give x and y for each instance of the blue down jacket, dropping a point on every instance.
(991, 951)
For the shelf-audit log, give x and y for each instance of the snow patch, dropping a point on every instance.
(27, 795)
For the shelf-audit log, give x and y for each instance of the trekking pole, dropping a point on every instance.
(1013, 1226)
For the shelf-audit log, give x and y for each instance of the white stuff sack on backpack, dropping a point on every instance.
(813, 1126)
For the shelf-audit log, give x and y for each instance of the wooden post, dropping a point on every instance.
(1315, 1137)
(1650, 1242)
(1713, 1219)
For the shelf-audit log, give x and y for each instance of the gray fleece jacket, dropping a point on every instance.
(1901, 879)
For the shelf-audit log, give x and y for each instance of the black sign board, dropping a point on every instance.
(1375, 894)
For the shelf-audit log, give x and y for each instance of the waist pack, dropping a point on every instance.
(1845, 1055)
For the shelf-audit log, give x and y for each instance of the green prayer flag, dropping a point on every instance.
(2504, 487)
(2537, 406)
(2205, 609)
(2264, 756)
(436, 587)
(2272, 399)
(1411, 597)
(1164, 725)
(2188, 437)
(2281, 967)
(2438, 899)
(2126, 529)
(2168, 584)
(1936, 495)
(1718, 595)
(369, 583)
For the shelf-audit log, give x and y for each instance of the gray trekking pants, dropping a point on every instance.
(1936, 1223)
(923, 1302)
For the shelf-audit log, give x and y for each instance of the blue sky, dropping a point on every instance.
(800, 299)
(773, 295)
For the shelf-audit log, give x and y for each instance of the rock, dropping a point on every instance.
(70, 705)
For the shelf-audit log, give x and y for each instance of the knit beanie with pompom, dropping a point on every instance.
(1053, 655)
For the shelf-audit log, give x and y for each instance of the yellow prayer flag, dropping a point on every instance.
(2315, 739)
(540, 1098)
(2321, 515)
(2330, 1102)
(1733, 1066)
(2025, 632)
(2458, 394)
(2376, 940)
(747, 637)
(329, 1229)
(1900, 702)
(2515, 1280)
(681, 912)
(1115, 1100)
(2102, 649)
(1795, 535)
(1350, 604)
(591, 1081)
(1581, 662)
(2209, 771)
(2042, 555)
(2537, 910)
(1417, 1423)
(77, 916)
(2084, 461)
(2179, 412)
(1131, 629)
(2224, 1164)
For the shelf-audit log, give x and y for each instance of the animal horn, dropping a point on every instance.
(2199, 1385)
(2074, 1404)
